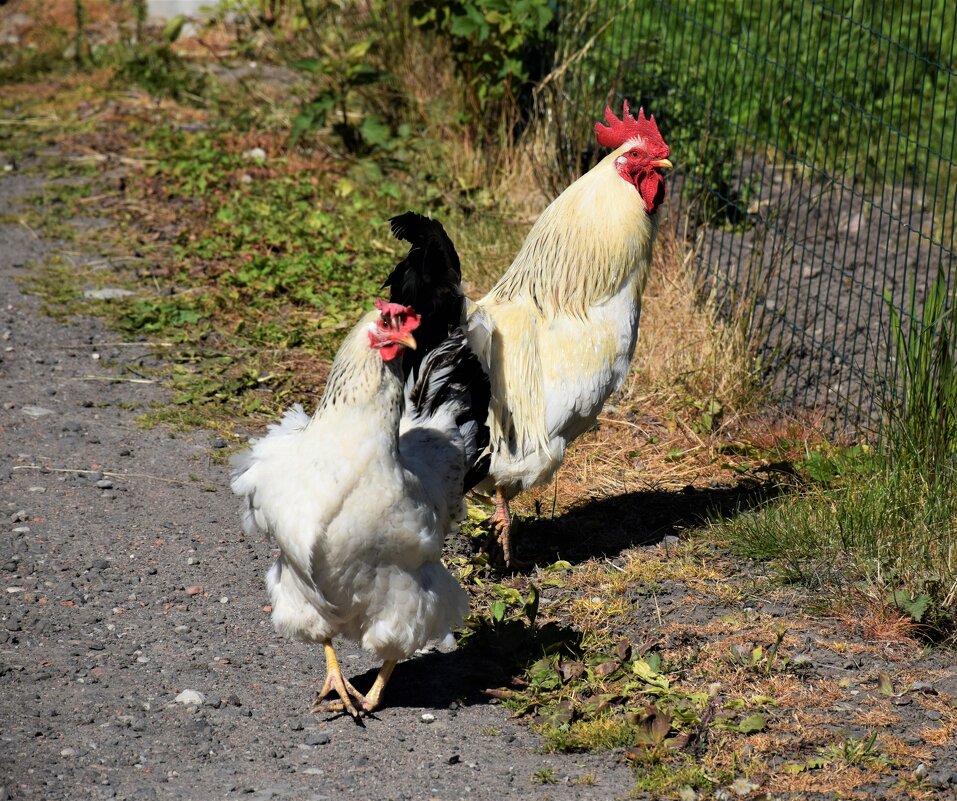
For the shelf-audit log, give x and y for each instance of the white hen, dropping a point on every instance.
(359, 499)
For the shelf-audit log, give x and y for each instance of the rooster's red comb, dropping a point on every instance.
(618, 131)
(406, 314)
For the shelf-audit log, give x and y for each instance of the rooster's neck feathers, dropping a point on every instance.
(592, 238)
(360, 376)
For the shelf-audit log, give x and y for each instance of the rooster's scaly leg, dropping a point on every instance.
(336, 681)
(502, 523)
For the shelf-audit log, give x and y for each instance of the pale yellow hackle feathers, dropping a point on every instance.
(593, 238)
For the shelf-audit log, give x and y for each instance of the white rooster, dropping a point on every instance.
(360, 497)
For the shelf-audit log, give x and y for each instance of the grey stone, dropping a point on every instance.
(36, 411)
(318, 738)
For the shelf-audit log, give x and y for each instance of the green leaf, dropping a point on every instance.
(375, 132)
(173, 28)
(316, 65)
(752, 723)
(498, 611)
(916, 607)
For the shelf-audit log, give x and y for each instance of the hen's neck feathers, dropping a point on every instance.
(590, 239)
(361, 378)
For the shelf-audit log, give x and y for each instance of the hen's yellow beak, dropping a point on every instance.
(405, 339)
(664, 164)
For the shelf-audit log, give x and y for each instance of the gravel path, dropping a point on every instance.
(126, 581)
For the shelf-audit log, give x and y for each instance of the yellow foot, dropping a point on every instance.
(336, 681)
(367, 703)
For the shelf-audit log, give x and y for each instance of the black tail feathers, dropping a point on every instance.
(429, 280)
(443, 369)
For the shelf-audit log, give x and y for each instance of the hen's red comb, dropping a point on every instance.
(392, 310)
(618, 131)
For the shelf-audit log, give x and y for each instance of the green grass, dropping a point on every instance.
(886, 520)
(890, 529)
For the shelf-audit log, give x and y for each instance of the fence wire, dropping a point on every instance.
(815, 143)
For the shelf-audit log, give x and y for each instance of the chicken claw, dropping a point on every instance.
(374, 696)
(336, 681)
(368, 702)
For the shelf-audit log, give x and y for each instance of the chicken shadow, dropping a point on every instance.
(494, 653)
(488, 657)
(606, 526)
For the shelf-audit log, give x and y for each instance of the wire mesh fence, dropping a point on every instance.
(816, 150)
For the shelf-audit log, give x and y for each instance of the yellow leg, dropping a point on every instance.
(374, 696)
(336, 681)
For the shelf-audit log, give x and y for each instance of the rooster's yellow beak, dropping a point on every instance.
(664, 164)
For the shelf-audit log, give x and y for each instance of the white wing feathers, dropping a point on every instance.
(360, 530)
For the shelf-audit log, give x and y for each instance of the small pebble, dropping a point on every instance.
(104, 483)
(428, 717)
(224, 600)
(192, 561)
(318, 738)
(923, 687)
(901, 700)
(190, 698)
(68, 752)
(19, 516)
(35, 411)
(196, 589)
(921, 771)
(217, 442)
